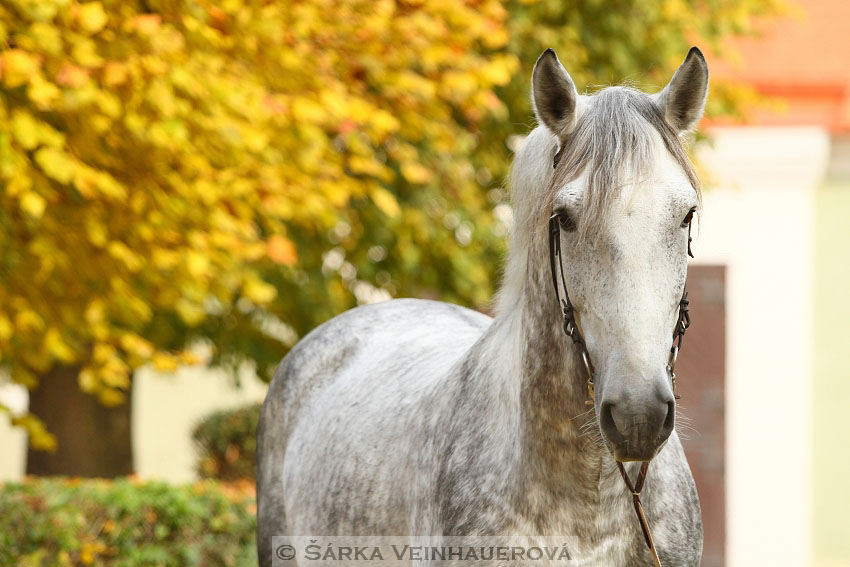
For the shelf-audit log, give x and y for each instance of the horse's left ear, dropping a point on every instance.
(683, 100)
(554, 95)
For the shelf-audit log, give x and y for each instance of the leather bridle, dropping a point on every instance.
(572, 330)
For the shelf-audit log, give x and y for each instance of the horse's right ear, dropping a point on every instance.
(554, 95)
(683, 99)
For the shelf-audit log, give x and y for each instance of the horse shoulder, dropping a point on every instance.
(355, 386)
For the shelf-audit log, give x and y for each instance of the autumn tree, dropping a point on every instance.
(159, 159)
(446, 239)
(175, 171)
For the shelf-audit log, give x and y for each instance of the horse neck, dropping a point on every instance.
(557, 432)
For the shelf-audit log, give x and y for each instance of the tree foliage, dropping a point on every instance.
(240, 171)
(159, 158)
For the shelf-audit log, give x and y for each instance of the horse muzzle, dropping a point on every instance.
(635, 430)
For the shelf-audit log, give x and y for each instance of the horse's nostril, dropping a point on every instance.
(669, 420)
(607, 423)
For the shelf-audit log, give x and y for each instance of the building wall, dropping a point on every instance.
(831, 418)
(758, 221)
(167, 408)
(13, 441)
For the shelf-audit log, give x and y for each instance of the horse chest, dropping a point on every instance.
(599, 530)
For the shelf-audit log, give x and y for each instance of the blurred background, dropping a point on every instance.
(188, 187)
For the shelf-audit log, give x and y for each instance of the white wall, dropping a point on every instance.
(165, 410)
(758, 221)
(13, 441)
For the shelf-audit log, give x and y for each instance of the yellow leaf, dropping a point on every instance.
(17, 67)
(87, 380)
(109, 104)
(46, 37)
(384, 122)
(43, 93)
(85, 53)
(111, 397)
(25, 129)
(91, 17)
(191, 313)
(164, 362)
(33, 204)
(114, 74)
(56, 164)
(116, 376)
(39, 437)
(87, 554)
(197, 263)
(109, 186)
(281, 250)
(5, 327)
(18, 185)
(258, 291)
(306, 110)
(122, 252)
(189, 358)
(154, 65)
(499, 71)
(366, 166)
(415, 173)
(135, 344)
(55, 345)
(385, 201)
(496, 38)
(96, 231)
(165, 259)
(27, 320)
(95, 312)
(103, 352)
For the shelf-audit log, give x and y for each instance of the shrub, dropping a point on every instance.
(227, 443)
(125, 523)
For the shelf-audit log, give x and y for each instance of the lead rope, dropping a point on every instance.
(635, 490)
(571, 329)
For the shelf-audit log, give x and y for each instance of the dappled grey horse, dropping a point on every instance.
(420, 417)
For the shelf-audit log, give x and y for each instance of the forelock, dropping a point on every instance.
(612, 143)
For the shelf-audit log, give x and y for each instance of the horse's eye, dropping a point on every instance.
(566, 221)
(688, 218)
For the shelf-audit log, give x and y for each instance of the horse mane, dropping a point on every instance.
(613, 143)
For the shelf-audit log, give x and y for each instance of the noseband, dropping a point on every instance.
(571, 329)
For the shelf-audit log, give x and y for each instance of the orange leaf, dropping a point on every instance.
(70, 75)
(145, 24)
(281, 250)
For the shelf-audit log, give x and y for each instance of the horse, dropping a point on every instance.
(420, 417)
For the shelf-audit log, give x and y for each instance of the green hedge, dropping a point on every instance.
(227, 443)
(125, 523)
